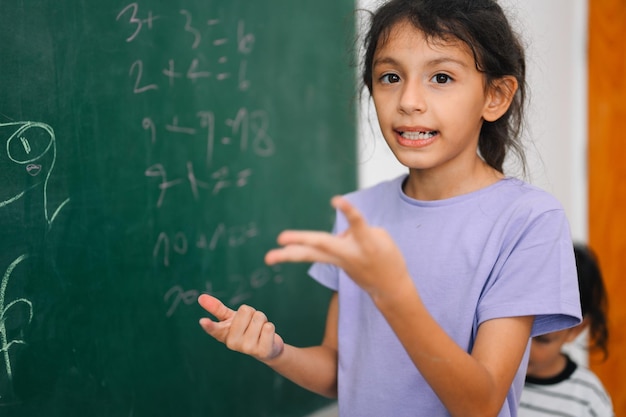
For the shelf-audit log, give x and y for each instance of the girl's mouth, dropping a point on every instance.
(414, 135)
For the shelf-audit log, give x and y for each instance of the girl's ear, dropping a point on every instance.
(499, 97)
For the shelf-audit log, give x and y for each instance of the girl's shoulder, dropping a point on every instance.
(382, 191)
(513, 190)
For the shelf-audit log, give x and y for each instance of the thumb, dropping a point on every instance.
(215, 307)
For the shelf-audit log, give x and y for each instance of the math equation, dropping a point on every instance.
(211, 57)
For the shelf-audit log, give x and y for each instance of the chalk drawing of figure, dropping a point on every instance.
(27, 146)
(26, 164)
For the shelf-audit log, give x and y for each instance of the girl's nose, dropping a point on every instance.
(412, 98)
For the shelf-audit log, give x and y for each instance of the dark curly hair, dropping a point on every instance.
(483, 26)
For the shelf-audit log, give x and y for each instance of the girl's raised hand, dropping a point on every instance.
(245, 330)
(367, 254)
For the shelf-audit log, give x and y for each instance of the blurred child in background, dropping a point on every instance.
(556, 385)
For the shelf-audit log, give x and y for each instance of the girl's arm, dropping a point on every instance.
(468, 384)
(248, 331)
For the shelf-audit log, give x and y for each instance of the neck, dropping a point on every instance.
(427, 185)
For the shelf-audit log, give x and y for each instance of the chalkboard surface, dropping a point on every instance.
(152, 151)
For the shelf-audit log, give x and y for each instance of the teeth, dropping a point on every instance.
(418, 135)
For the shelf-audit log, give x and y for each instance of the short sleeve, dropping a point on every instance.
(535, 275)
(327, 274)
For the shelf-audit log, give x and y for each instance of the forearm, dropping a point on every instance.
(313, 368)
(464, 383)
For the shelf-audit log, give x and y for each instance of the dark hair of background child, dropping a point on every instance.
(593, 297)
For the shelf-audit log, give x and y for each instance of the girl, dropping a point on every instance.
(556, 385)
(443, 274)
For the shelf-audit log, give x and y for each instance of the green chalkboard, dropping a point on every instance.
(152, 151)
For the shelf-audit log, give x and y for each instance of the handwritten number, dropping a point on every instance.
(240, 124)
(133, 8)
(244, 83)
(180, 243)
(207, 119)
(193, 73)
(163, 240)
(148, 124)
(263, 144)
(245, 41)
(191, 29)
(133, 20)
(187, 297)
(138, 88)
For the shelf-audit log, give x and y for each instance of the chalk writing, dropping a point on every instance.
(137, 67)
(131, 10)
(5, 307)
(207, 54)
(248, 130)
(239, 289)
(195, 33)
(130, 15)
(231, 236)
(219, 180)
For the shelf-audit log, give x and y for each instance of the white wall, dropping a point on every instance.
(554, 32)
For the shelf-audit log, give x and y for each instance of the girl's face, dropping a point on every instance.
(546, 359)
(430, 100)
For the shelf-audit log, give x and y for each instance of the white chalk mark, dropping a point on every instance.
(6, 344)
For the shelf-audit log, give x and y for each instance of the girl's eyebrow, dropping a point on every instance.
(434, 62)
(384, 60)
(447, 60)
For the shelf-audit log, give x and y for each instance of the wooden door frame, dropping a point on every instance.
(607, 178)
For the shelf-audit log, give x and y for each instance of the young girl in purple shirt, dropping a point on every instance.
(442, 275)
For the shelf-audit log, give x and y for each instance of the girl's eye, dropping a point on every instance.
(390, 78)
(441, 78)
(543, 339)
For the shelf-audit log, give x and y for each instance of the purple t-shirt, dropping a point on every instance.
(501, 251)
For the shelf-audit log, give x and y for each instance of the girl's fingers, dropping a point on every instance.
(302, 237)
(258, 340)
(353, 216)
(211, 327)
(215, 307)
(257, 321)
(269, 338)
(240, 324)
(299, 253)
(314, 246)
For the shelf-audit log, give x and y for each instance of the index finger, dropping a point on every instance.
(353, 216)
(215, 307)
